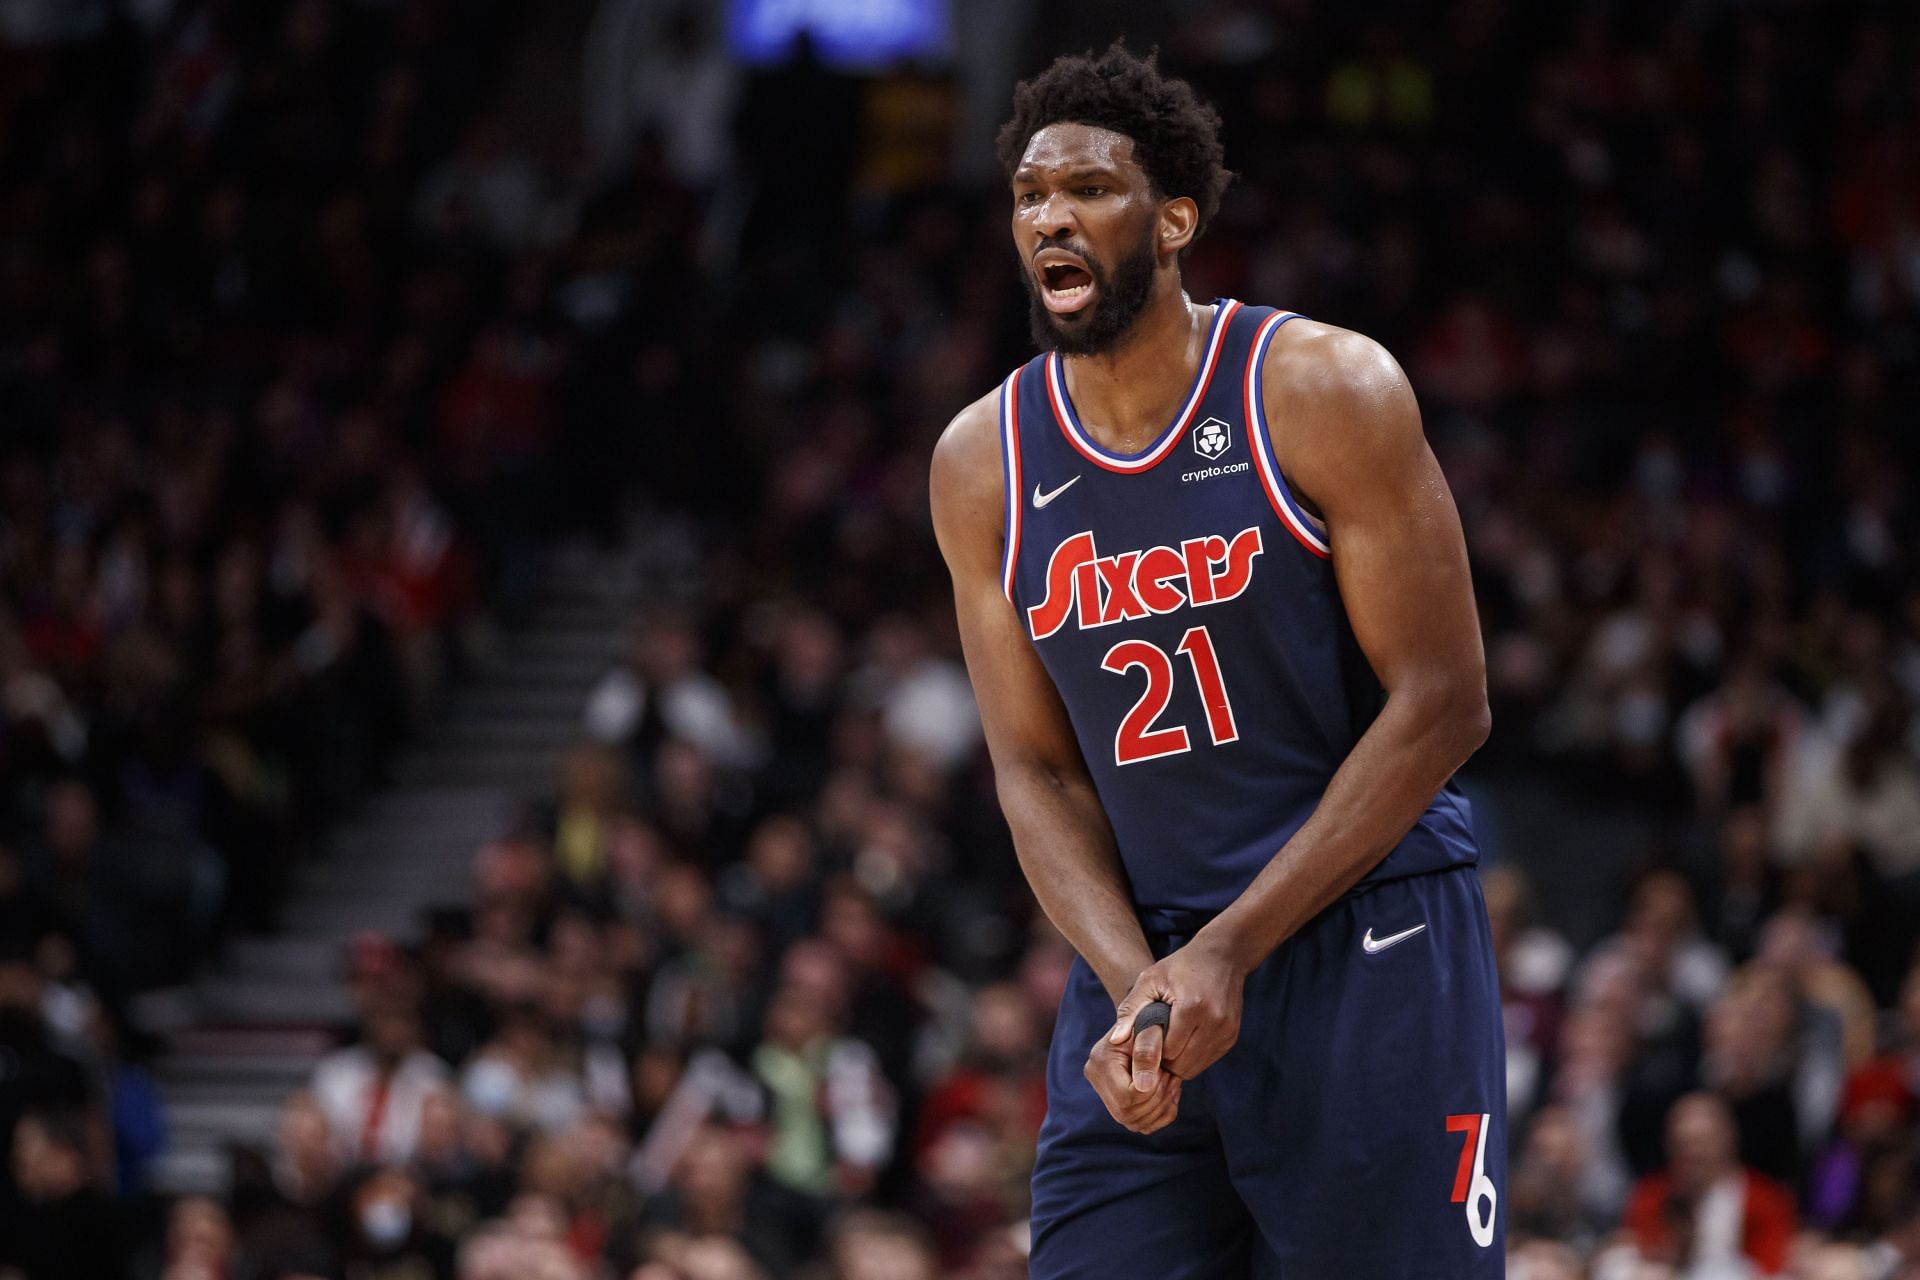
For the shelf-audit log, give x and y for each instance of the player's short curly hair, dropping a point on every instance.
(1176, 135)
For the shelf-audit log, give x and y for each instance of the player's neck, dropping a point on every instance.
(1126, 396)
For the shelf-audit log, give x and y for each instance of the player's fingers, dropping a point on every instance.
(1123, 1015)
(1145, 1112)
(1146, 1058)
(1195, 1055)
(1182, 1025)
(1161, 1111)
(1110, 1071)
(1197, 1037)
(1161, 1118)
(1130, 1109)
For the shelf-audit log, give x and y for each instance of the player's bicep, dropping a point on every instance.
(1020, 709)
(1402, 570)
(1398, 552)
(1024, 718)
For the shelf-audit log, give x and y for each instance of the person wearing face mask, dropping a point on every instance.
(388, 1239)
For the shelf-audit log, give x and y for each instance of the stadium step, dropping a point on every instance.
(534, 703)
(505, 769)
(196, 1168)
(250, 999)
(272, 1005)
(509, 732)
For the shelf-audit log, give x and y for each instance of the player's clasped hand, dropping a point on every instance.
(1143, 1102)
(1205, 990)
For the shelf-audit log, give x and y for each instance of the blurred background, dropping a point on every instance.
(487, 784)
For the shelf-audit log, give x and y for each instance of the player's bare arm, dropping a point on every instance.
(1346, 430)
(1060, 832)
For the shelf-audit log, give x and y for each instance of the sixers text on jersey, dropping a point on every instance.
(1102, 590)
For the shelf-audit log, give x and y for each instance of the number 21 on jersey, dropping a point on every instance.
(1136, 739)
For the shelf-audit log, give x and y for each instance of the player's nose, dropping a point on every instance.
(1055, 215)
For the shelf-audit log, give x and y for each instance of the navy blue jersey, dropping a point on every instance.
(1185, 606)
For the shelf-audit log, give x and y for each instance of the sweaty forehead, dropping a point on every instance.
(1067, 146)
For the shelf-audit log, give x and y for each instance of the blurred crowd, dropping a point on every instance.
(274, 433)
(300, 350)
(245, 437)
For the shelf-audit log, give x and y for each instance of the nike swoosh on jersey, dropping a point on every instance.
(1372, 945)
(1042, 499)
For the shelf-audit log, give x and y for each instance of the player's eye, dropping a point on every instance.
(1028, 197)
(1092, 192)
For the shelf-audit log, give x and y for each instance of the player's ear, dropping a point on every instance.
(1179, 219)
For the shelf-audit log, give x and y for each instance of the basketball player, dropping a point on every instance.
(1214, 599)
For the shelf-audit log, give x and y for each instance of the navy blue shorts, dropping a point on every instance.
(1357, 1129)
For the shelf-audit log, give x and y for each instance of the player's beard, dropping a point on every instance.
(1118, 299)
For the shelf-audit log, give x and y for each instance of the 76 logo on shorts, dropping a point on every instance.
(1471, 1185)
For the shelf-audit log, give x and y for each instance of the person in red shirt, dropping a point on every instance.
(1706, 1207)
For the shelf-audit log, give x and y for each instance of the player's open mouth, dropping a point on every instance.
(1065, 283)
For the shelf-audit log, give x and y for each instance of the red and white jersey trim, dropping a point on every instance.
(1307, 529)
(1063, 410)
(1010, 464)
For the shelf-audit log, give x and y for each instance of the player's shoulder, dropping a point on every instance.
(1341, 416)
(970, 444)
(974, 429)
(1313, 365)
(964, 479)
(1331, 393)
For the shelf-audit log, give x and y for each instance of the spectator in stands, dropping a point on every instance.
(1661, 942)
(524, 1076)
(1752, 1056)
(494, 1251)
(45, 1070)
(776, 883)
(200, 1242)
(1001, 1076)
(1834, 1262)
(1535, 963)
(879, 1246)
(1874, 1129)
(1895, 1249)
(594, 793)
(717, 1192)
(131, 1099)
(373, 1092)
(833, 1117)
(65, 1226)
(1863, 791)
(1706, 1209)
(1544, 1260)
(1554, 1190)
(1747, 887)
(284, 1207)
(1737, 740)
(386, 1237)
